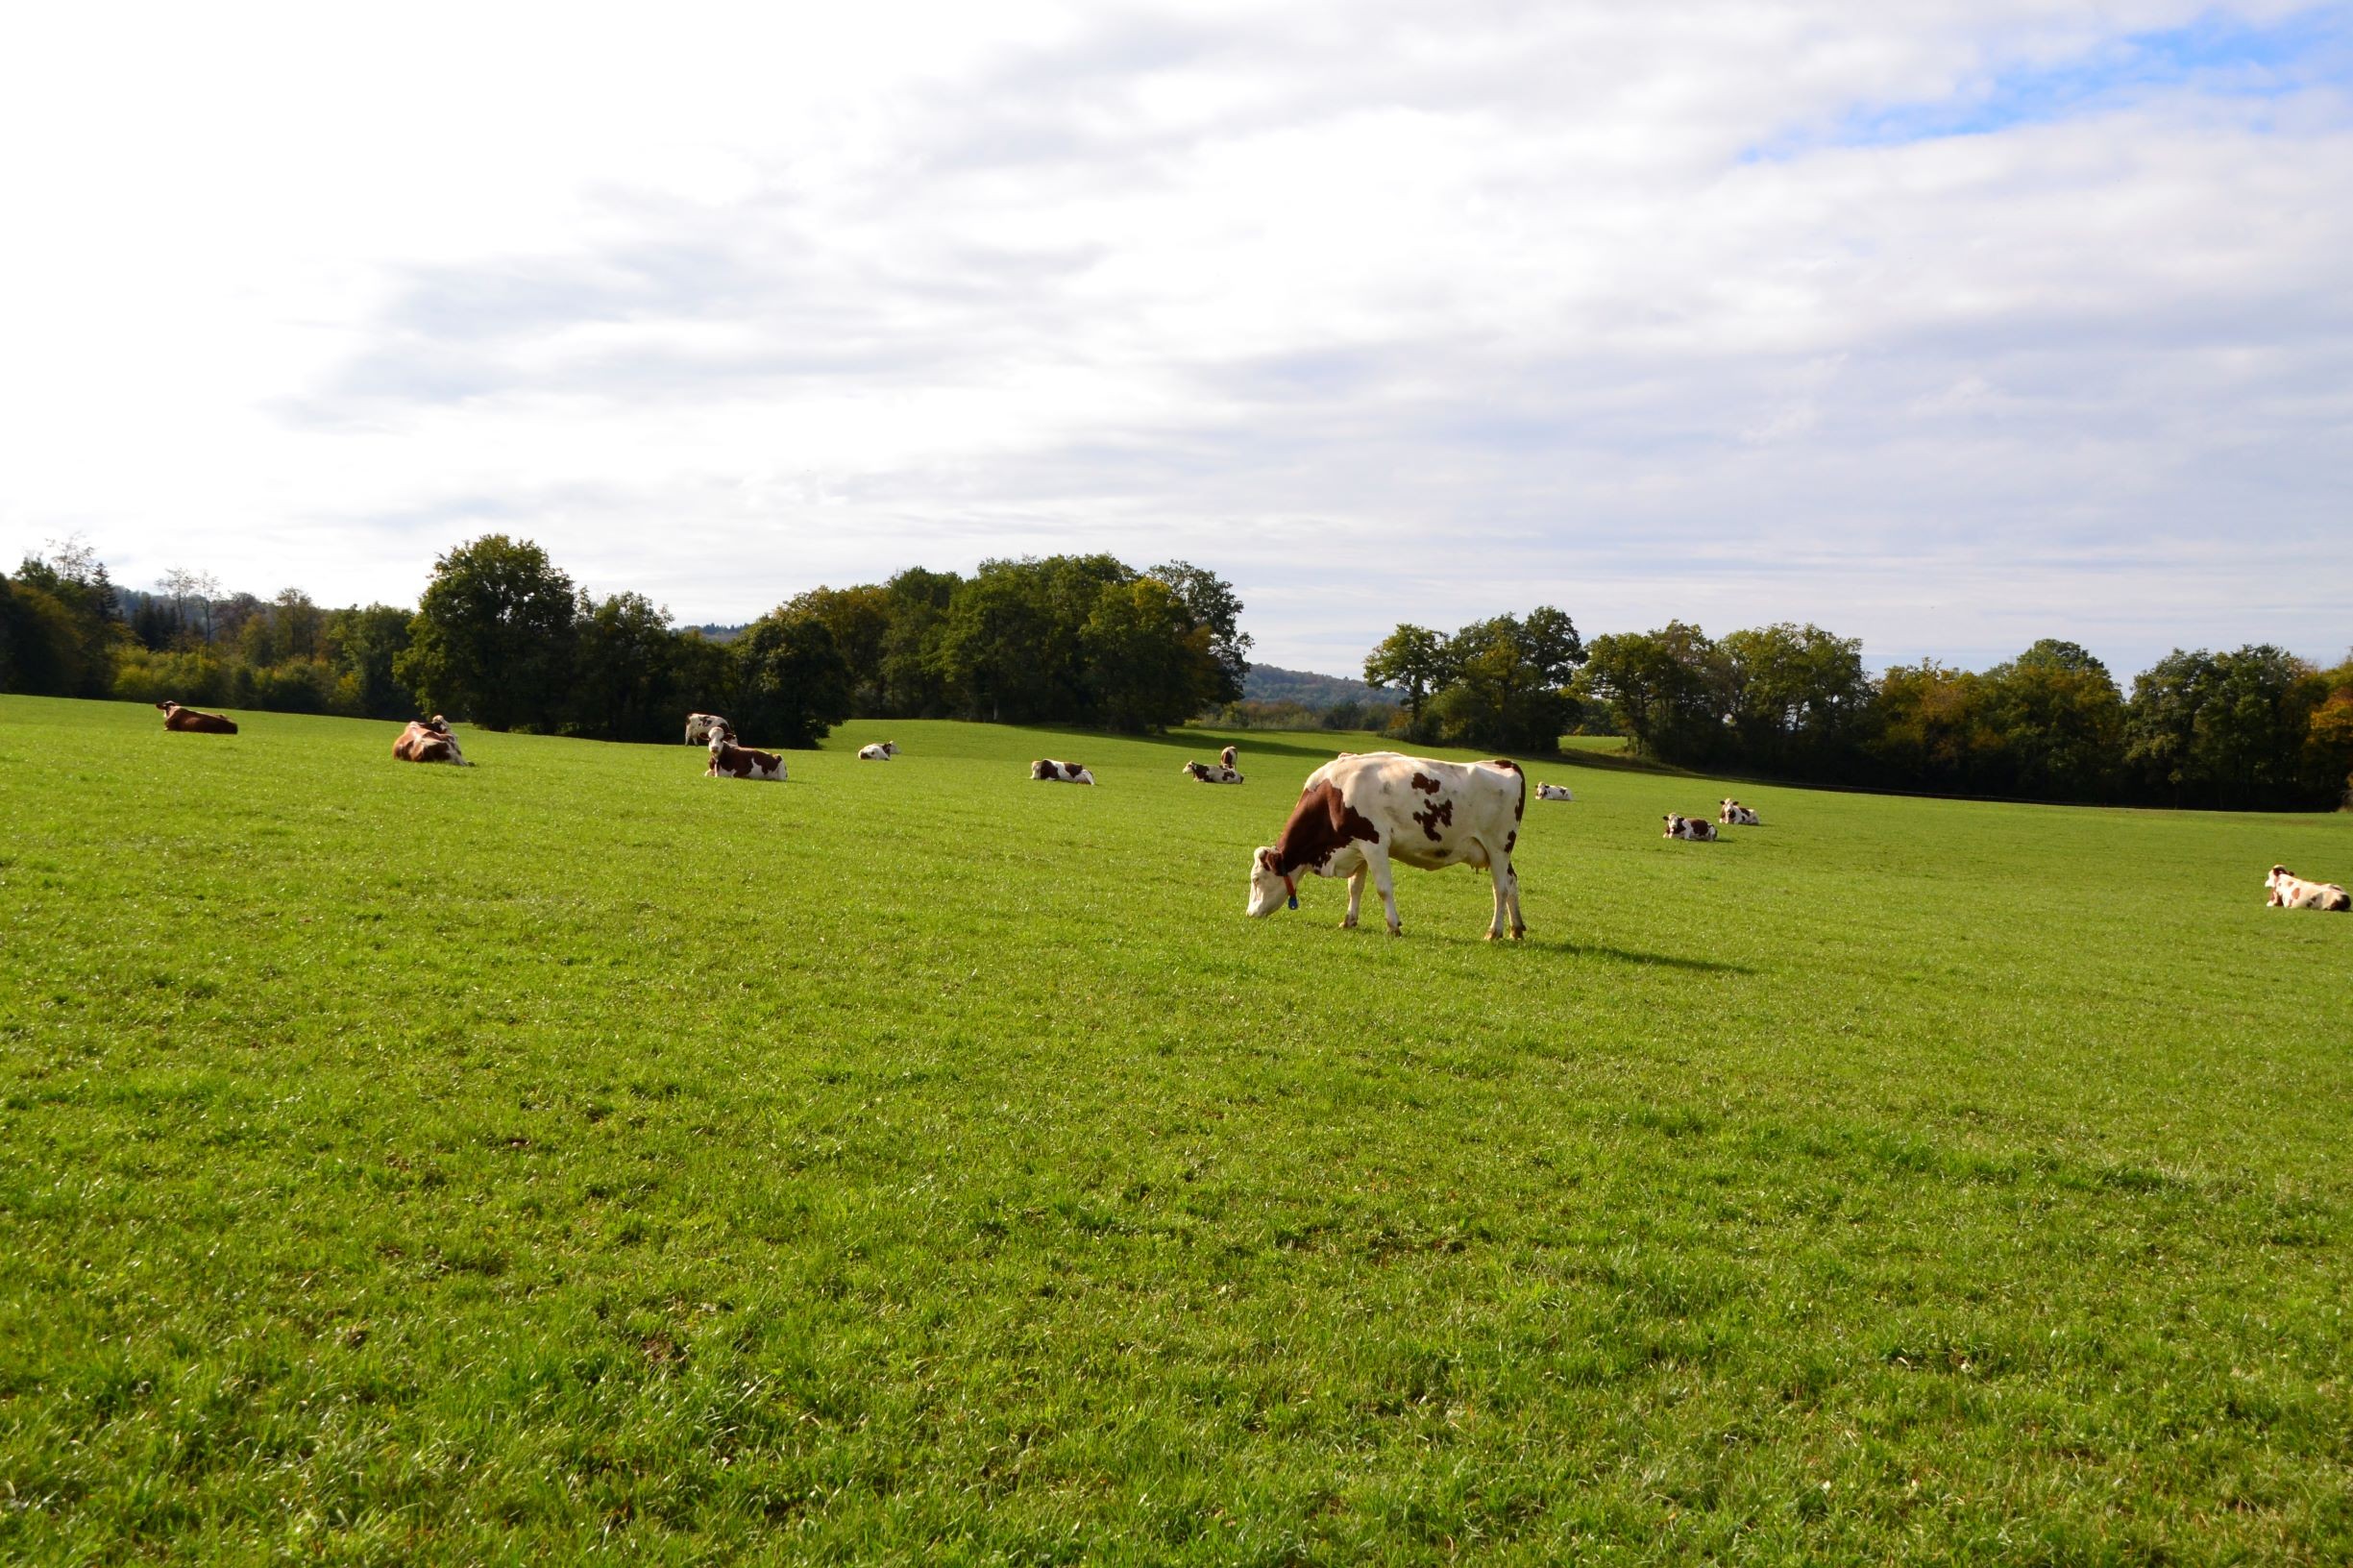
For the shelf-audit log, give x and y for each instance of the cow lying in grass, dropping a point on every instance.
(1046, 770)
(700, 726)
(189, 721)
(1553, 792)
(883, 753)
(1201, 773)
(2289, 891)
(428, 739)
(1736, 814)
(1356, 814)
(730, 760)
(1698, 829)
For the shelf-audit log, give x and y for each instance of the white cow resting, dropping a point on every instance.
(2287, 890)
(701, 726)
(879, 753)
(1698, 829)
(1733, 814)
(1358, 814)
(1553, 792)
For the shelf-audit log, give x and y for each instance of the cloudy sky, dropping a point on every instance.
(1946, 324)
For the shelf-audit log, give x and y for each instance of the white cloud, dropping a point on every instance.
(1384, 312)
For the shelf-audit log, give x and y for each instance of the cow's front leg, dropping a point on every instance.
(1355, 899)
(1378, 861)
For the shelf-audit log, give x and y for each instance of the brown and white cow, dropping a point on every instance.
(1046, 770)
(2289, 891)
(1225, 759)
(1358, 814)
(428, 739)
(189, 721)
(1733, 814)
(1201, 773)
(730, 760)
(1698, 829)
(1553, 792)
(883, 753)
(700, 726)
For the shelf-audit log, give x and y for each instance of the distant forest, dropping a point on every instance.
(503, 638)
(2254, 729)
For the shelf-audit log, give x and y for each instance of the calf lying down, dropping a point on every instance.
(2287, 890)
(730, 760)
(1697, 829)
(1202, 773)
(1732, 814)
(1046, 770)
(1553, 792)
(189, 721)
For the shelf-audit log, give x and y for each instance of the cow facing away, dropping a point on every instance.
(1553, 792)
(730, 760)
(882, 752)
(701, 726)
(189, 721)
(1358, 814)
(1225, 759)
(2287, 890)
(1046, 770)
(1201, 773)
(428, 739)
(1698, 829)
(1732, 814)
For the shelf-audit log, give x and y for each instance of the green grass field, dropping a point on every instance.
(575, 1157)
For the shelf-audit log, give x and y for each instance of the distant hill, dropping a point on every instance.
(716, 633)
(1266, 683)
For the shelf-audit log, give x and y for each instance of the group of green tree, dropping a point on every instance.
(503, 638)
(2254, 729)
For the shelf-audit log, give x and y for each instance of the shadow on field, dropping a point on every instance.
(1627, 955)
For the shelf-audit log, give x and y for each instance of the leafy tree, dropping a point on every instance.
(2061, 720)
(1414, 660)
(911, 676)
(1664, 688)
(792, 682)
(624, 668)
(1210, 603)
(993, 650)
(860, 621)
(363, 644)
(1507, 682)
(2161, 723)
(2251, 730)
(492, 639)
(1149, 662)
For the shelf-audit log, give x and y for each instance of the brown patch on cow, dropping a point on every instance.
(1321, 826)
(1439, 812)
(1503, 762)
(1426, 784)
(1226, 756)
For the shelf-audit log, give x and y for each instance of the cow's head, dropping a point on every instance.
(1270, 887)
(167, 706)
(437, 725)
(1675, 824)
(2276, 884)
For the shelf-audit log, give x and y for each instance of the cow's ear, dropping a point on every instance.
(1266, 858)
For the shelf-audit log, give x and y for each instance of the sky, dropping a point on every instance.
(1946, 326)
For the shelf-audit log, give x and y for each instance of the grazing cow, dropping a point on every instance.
(701, 726)
(189, 721)
(2292, 891)
(879, 753)
(1358, 814)
(1225, 759)
(1698, 829)
(428, 739)
(1553, 792)
(1051, 772)
(1733, 814)
(1201, 773)
(730, 760)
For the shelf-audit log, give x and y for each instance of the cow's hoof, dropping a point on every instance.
(1519, 933)
(1348, 926)
(1397, 930)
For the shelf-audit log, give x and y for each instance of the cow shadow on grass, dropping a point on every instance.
(1617, 955)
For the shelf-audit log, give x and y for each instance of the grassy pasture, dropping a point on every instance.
(571, 1156)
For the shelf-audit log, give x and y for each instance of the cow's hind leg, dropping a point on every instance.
(1355, 899)
(1379, 860)
(1511, 893)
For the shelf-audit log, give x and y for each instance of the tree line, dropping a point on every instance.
(503, 638)
(2255, 729)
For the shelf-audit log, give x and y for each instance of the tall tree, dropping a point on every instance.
(1412, 660)
(492, 638)
(792, 682)
(1210, 603)
(1148, 660)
